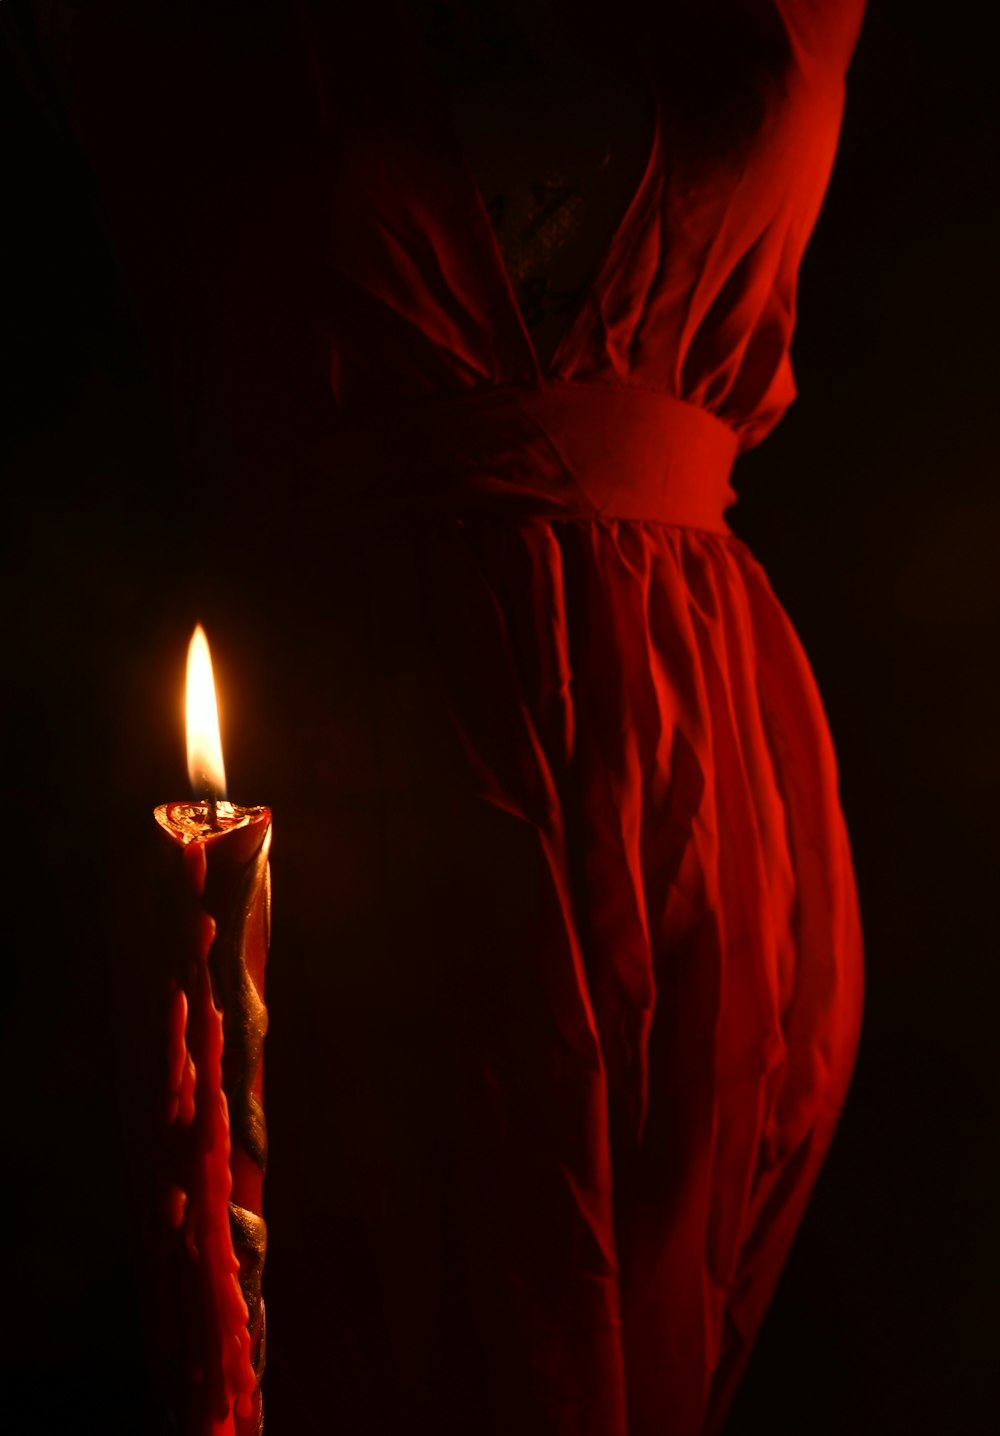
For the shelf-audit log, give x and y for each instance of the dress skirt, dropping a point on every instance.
(585, 1005)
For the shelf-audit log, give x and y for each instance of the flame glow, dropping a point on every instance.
(204, 746)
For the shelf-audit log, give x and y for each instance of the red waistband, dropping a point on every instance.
(560, 450)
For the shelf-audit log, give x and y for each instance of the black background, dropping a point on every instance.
(874, 510)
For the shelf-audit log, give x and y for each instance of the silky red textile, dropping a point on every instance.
(576, 992)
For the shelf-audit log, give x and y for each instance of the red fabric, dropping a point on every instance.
(578, 1001)
(654, 961)
(609, 833)
(551, 450)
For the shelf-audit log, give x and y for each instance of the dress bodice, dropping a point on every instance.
(555, 117)
(306, 238)
(695, 293)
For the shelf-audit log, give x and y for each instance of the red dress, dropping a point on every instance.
(584, 998)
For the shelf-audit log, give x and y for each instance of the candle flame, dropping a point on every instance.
(204, 746)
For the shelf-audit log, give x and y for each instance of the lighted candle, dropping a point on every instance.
(216, 1141)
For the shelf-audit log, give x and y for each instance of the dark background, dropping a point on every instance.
(873, 507)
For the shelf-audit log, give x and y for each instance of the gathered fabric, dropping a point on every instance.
(615, 1008)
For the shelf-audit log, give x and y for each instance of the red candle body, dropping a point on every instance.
(215, 1149)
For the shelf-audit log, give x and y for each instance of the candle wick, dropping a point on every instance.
(211, 801)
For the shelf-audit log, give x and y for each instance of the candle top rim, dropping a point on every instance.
(192, 821)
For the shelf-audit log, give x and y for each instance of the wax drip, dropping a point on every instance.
(244, 1029)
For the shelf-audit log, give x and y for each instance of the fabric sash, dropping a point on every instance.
(555, 451)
